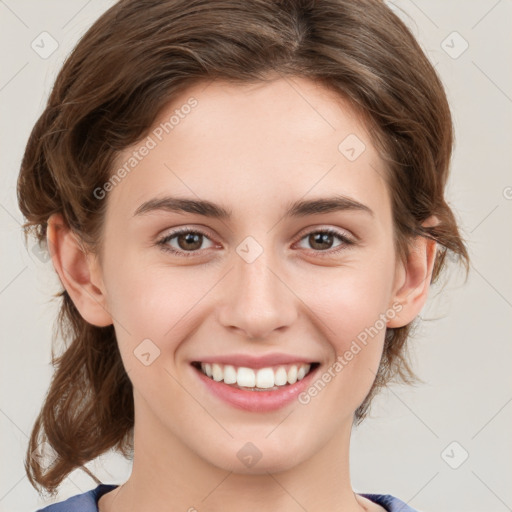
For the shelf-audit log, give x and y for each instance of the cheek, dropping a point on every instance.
(352, 307)
(351, 301)
(155, 303)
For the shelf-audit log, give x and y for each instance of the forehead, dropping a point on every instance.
(253, 147)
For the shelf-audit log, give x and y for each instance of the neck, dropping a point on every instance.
(168, 475)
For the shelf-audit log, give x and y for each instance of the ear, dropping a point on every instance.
(78, 271)
(412, 279)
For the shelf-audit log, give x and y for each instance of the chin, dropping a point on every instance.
(257, 456)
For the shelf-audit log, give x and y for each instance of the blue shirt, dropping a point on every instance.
(88, 501)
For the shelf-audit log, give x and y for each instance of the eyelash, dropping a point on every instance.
(162, 243)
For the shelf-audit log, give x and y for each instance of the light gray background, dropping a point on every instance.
(463, 353)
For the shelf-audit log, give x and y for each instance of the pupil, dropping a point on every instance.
(322, 239)
(190, 238)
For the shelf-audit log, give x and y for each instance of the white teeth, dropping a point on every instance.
(263, 378)
(229, 374)
(217, 372)
(292, 375)
(301, 373)
(245, 377)
(280, 377)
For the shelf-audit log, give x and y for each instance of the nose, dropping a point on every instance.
(257, 301)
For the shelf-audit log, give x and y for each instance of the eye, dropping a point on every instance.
(322, 240)
(188, 241)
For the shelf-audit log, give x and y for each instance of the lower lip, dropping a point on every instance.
(256, 401)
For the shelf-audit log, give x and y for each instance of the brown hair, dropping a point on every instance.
(135, 59)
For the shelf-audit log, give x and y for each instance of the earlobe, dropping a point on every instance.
(414, 276)
(78, 272)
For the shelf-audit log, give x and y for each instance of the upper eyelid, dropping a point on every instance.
(337, 232)
(179, 231)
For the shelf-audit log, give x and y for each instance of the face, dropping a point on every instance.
(264, 286)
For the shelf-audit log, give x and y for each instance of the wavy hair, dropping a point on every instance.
(127, 67)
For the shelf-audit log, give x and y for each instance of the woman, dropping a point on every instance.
(244, 202)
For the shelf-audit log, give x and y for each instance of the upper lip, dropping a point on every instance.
(251, 361)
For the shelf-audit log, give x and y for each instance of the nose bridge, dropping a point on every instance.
(259, 302)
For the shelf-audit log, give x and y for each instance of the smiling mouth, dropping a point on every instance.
(256, 379)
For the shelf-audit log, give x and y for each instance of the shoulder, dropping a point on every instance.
(388, 502)
(85, 502)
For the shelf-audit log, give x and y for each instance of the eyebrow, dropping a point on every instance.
(300, 208)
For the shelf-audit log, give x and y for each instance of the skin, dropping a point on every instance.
(253, 149)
